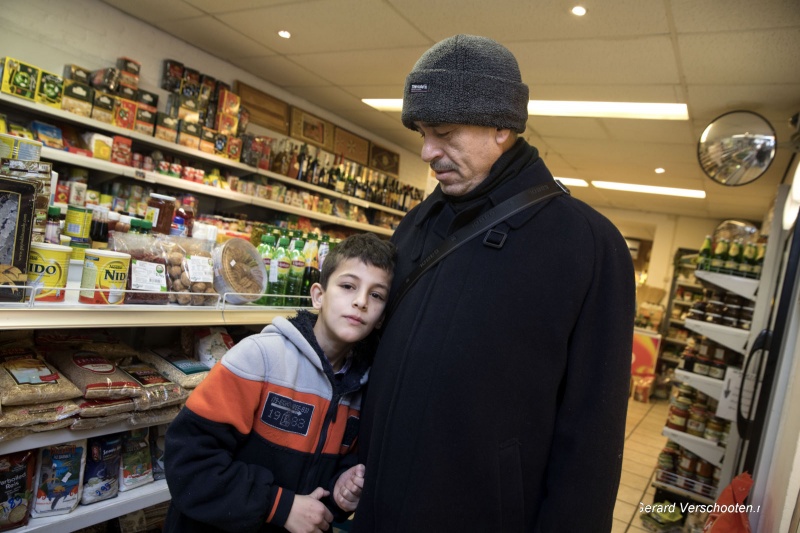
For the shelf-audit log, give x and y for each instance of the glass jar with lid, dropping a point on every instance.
(160, 212)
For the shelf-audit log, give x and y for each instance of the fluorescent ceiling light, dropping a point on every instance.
(285, 34)
(649, 189)
(572, 182)
(660, 170)
(579, 11)
(560, 108)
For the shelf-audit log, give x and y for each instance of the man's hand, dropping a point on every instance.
(308, 514)
(347, 491)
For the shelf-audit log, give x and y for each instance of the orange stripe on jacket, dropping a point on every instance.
(275, 503)
(226, 398)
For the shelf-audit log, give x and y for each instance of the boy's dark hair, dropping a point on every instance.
(366, 247)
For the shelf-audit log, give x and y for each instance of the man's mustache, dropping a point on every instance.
(443, 167)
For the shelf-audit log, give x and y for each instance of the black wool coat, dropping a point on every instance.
(498, 394)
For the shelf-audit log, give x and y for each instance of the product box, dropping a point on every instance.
(189, 134)
(221, 145)
(78, 98)
(48, 134)
(234, 149)
(183, 108)
(19, 79)
(40, 174)
(147, 98)
(190, 85)
(207, 86)
(166, 127)
(125, 113)
(12, 147)
(17, 201)
(105, 79)
(145, 122)
(122, 150)
(128, 80)
(103, 108)
(171, 75)
(207, 139)
(76, 73)
(221, 86)
(228, 103)
(50, 89)
(128, 93)
(227, 124)
(99, 144)
(129, 65)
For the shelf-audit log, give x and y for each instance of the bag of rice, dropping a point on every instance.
(25, 378)
(9, 434)
(162, 415)
(212, 344)
(50, 426)
(17, 472)
(81, 423)
(136, 466)
(73, 337)
(96, 376)
(101, 477)
(185, 371)
(26, 415)
(95, 408)
(59, 478)
(158, 391)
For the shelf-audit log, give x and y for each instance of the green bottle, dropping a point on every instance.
(278, 273)
(298, 266)
(704, 256)
(266, 250)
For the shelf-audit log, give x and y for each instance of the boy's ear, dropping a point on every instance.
(317, 294)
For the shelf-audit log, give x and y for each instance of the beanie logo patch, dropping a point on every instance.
(419, 88)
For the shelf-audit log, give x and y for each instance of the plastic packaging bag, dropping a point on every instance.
(148, 268)
(729, 514)
(59, 478)
(190, 271)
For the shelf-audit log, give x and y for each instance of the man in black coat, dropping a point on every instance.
(498, 394)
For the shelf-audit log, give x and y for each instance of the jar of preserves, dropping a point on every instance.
(714, 428)
(697, 311)
(716, 370)
(687, 361)
(688, 462)
(702, 365)
(160, 212)
(696, 424)
(705, 470)
(678, 415)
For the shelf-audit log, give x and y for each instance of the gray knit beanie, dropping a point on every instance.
(466, 79)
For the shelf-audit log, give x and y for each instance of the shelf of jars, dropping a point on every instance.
(745, 287)
(682, 486)
(733, 338)
(201, 188)
(34, 314)
(707, 449)
(711, 386)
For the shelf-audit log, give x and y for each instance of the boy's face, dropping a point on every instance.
(352, 305)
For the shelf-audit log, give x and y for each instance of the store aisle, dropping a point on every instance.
(643, 442)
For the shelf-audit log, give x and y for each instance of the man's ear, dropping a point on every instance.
(317, 295)
(502, 136)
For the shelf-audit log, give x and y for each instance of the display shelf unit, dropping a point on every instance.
(683, 492)
(745, 287)
(50, 154)
(89, 515)
(682, 291)
(732, 338)
(708, 450)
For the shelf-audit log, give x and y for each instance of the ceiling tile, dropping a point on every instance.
(541, 89)
(691, 16)
(568, 127)
(707, 102)
(280, 71)
(327, 26)
(367, 67)
(156, 11)
(227, 6)
(334, 99)
(217, 39)
(649, 131)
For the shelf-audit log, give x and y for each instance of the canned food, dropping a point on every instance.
(48, 269)
(78, 222)
(104, 277)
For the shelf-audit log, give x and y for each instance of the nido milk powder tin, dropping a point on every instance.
(104, 276)
(48, 269)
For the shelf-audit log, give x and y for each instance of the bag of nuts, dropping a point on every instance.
(190, 271)
(148, 269)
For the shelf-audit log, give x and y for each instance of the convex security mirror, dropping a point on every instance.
(736, 148)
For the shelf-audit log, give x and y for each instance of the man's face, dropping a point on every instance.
(460, 155)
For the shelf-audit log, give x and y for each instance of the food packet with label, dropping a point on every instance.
(26, 379)
(101, 476)
(175, 366)
(147, 282)
(96, 376)
(17, 473)
(190, 270)
(136, 466)
(59, 478)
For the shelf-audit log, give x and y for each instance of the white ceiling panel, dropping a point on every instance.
(281, 71)
(156, 11)
(369, 67)
(216, 39)
(692, 16)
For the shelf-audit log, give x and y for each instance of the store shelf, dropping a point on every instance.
(710, 451)
(683, 492)
(682, 303)
(671, 358)
(689, 285)
(673, 340)
(88, 515)
(155, 178)
(744, 287)
(676, 321)
(709, 386)
(733, 338)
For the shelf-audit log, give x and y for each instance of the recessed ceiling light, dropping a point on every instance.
(579, 11)
(285, 34)
(660, 170)
(558, 108)
(649, 189)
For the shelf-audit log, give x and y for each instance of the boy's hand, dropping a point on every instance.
(308, 514)
(347, 491)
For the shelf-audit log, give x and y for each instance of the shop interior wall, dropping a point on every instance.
(91, 34)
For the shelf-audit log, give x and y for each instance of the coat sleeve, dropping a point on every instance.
(585, 459)
(206, 483)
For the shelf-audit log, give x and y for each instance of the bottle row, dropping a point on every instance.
(735, 257)
(683, 469)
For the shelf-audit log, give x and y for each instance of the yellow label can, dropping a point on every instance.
(48, 269)
(104, 277)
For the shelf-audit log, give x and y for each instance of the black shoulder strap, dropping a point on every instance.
(480, 225)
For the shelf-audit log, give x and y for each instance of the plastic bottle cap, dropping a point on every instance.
(147, 225)
(135, 222)
(178, 220)
(54, 211)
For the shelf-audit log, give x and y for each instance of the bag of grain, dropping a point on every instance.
(96, 376)
(25, 379)
(59, 478)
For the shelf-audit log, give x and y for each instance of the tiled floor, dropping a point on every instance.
(643, 442)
